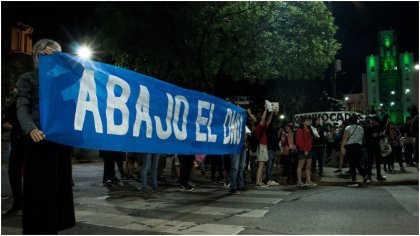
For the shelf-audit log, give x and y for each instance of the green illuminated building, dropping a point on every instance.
(390, 78)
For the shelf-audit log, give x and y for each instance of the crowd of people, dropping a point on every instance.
(46, 196)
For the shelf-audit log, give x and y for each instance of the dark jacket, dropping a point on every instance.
(28, 101)
(319, 142)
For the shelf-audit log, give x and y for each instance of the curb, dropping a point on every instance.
(373, 183)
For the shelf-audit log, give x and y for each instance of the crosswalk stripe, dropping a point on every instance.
(210, 210)
(245, 199)
(145, 205)
(155, 225)
(407, 197)
(254, 213)
(273, 192)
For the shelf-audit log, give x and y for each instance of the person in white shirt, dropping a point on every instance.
(351, 146)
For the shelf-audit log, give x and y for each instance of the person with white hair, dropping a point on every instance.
(47, 186)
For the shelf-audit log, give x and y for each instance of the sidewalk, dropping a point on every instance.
(410, 177)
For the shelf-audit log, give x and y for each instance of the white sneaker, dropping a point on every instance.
(268, 106)
(272, 183)
(300, 185)
(262, 185)
(312, 184)
(227, 185)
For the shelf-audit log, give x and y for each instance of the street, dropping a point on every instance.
(209, 209)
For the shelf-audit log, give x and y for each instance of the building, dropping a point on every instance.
(390, 79)
(21, 38)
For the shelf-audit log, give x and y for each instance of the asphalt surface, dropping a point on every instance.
(389, 207)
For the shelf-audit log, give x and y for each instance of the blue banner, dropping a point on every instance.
(93, 105)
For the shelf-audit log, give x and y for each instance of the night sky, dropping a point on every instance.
(358, 22)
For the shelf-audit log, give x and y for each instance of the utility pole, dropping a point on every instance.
(337, 68)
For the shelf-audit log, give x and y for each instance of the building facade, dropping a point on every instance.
(390, 78)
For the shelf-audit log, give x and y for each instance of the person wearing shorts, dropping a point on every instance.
(262, 152)
(304, 147)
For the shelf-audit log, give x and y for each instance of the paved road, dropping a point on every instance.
(211, 210)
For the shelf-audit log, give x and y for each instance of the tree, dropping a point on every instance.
(200, 44)
(11, 68)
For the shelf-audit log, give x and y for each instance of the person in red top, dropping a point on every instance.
(304, 146)
(262, 152)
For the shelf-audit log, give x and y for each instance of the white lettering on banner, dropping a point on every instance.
(119, 103)
(142, 113)
(180, 134)
(226, 135)
(165, 134)
(232, 129)
(87, 90)
(201, 121)
(175, 122)
(211, 137)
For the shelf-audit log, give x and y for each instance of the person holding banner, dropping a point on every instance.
(150, 161)
(186, 163)
(47, 186)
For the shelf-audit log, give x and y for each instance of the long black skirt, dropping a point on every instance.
(47, 189)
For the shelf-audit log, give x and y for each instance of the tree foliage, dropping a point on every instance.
(11, 68)
(200, 44)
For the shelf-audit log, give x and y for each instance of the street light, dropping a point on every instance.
(281, 117)
(392, 92)
(407, 91)
(346, 98)
(84, 52)
(392, 103)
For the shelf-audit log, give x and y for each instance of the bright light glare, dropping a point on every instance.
(407, 90)
(84, 52)
(392, 103)
(381, 104)
(281, 117)
(392, 92)
(416, 67)
(346, 98)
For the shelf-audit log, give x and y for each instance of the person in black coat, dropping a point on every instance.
(47, 186)
(373, 134)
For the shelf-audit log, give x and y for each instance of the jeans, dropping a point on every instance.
(150, 160)
(237, 163)
(318, 155)
(269, 167)
(203, 166)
